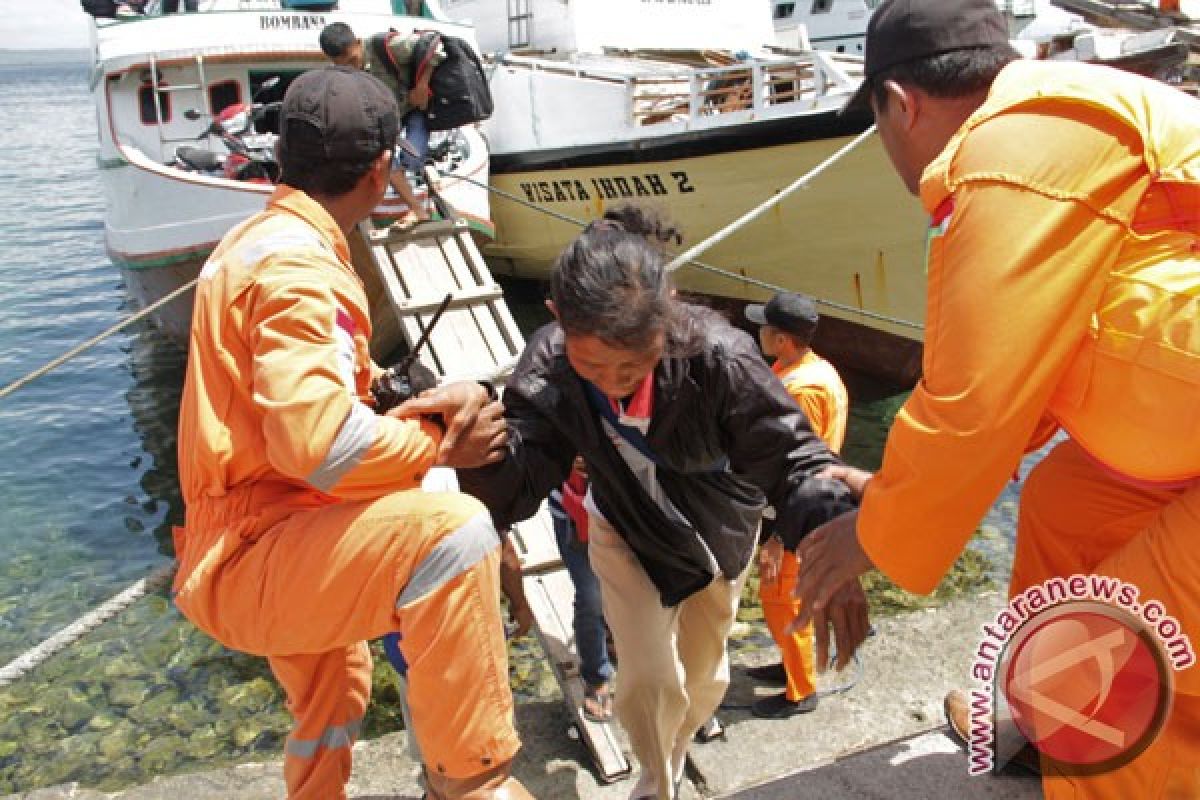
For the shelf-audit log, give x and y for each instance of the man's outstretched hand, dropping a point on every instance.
(476, 432)
(831, 561)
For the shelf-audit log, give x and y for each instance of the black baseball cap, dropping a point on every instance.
(787, 311)
(906, 30)
(338, 114)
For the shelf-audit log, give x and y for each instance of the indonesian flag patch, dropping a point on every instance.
(939, 223)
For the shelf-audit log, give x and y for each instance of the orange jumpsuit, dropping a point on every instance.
(1064, 292)
(306, 531)
(816, 387)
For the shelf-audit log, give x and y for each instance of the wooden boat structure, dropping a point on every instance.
(1160, 40)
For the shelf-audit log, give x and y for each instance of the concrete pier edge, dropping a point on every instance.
(884, 738)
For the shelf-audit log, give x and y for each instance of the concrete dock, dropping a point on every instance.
(884, 738)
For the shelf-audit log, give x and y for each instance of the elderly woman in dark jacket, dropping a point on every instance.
(687, 435)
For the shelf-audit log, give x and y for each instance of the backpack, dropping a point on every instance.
(423, 52)
(459, 85)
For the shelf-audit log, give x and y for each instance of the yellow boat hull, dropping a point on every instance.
(854, 238)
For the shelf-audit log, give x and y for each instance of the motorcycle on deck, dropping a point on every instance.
(249, 156)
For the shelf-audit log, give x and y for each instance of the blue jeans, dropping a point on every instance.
(416, 132)
(589, 616)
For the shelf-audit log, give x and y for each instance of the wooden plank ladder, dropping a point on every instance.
(476, 338)
(551, 595)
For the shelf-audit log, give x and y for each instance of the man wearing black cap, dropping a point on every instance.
(307, 531)
(788, 322)
(391, 57)
(1064, 272)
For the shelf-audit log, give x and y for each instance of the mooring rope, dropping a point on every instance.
(688, 258)
(95, 340)
(800, 183)
(33, 657)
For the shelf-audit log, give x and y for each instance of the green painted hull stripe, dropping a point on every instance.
(161, 261)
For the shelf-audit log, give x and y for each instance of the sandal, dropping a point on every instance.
(598, 703)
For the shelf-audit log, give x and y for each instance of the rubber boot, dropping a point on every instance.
(495, 784)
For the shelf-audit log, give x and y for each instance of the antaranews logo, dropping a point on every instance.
(1078, 668)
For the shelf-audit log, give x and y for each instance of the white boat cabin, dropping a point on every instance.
(592, 26)
(836, 25)
(159, 79)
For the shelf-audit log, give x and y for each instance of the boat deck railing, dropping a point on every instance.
(658, 92)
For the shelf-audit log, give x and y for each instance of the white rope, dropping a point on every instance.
(754, 213)
(30, 659)
(724, 273)
(95, 340)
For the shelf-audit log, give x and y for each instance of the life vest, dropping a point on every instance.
(1131, 394)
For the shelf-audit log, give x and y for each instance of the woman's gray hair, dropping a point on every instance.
(611, 282)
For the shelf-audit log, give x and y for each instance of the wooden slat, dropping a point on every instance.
(551, 597)
(499, 343)
(463, 298)
(514, 341)
(455, 341)
(477, 335)
(535, 543)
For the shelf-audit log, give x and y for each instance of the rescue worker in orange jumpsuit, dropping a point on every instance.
(788, 322)
(1063, 294)
(307, 532)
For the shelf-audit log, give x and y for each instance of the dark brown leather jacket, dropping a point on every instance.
(726, 437)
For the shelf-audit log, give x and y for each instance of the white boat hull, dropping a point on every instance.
(161, 241)
(707, 145)
(162, 221)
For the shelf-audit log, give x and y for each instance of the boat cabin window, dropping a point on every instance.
(520, 15)
(224, 94)
(822, 6)
(146, 95)
(784, 10)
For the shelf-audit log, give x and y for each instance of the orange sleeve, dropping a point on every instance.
(315, 427)
(1013, 283)
(817, 405)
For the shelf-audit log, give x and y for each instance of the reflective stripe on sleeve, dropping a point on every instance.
(354, 438)
(452, 556)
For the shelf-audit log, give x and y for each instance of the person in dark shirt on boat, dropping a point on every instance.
(389, 57)
(686, 435)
